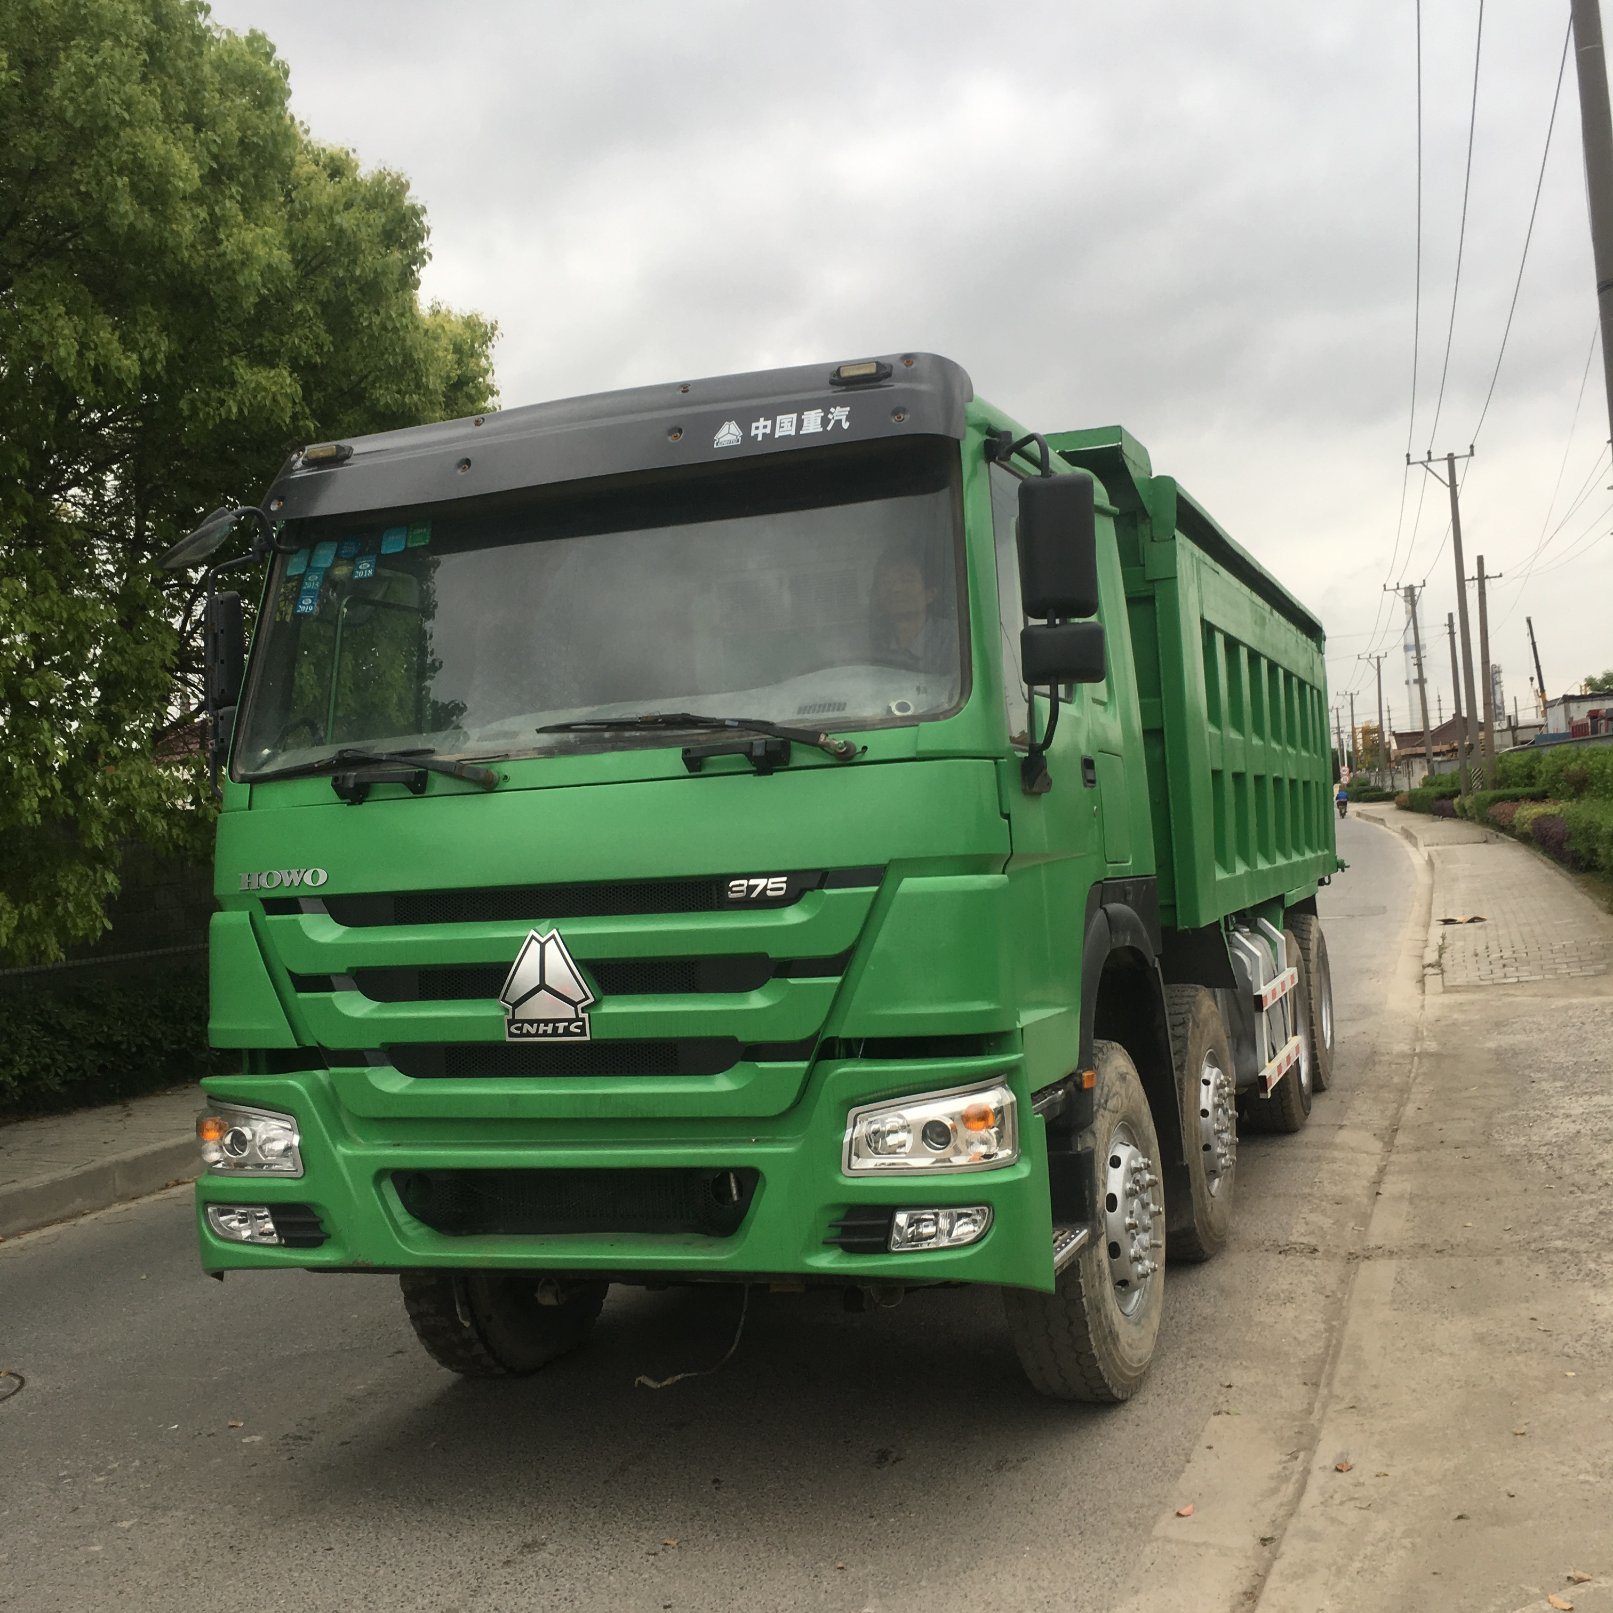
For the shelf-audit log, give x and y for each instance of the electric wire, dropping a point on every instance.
(1528, 235)
(1461, 232)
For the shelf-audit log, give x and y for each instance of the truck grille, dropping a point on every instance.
(525, 903)
(689, 1055)
(712, 1202)
(613, 977)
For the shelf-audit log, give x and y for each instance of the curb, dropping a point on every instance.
(112, 1180)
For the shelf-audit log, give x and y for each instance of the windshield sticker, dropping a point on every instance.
(363, 567)
(347, 549)
(308, 599)
(342, 570)
(324, 553)
(393, 539)
(419, 534)
(297, 564)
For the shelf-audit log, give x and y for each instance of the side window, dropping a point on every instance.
(1011, 612)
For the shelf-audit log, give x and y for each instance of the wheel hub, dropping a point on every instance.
(1133, 1218)
(1218, 1128)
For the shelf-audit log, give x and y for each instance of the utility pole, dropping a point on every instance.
(1355, 736)
(1422, 684)
(1489, 680)
(1456, 707)
(1596, 130)
(1338, 735)
(1540, 677)
(1468, 708)
(1383, 738)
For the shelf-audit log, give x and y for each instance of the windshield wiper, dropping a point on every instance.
(355, 769)
(843, 750)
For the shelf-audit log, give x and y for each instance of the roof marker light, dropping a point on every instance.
(861, 373)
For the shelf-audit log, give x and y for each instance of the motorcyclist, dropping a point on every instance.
(1342, 800)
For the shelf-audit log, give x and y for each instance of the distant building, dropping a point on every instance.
(1583, 716)
(1409, 752)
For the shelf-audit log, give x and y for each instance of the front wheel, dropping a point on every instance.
(1093, 1337)
(491, 1324)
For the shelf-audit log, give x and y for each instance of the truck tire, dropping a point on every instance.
(491, 1324)
(1289, 1106)
(1093, 1337)
(1207, 1096)
(1316, 981)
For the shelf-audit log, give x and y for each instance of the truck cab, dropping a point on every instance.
(753, 830)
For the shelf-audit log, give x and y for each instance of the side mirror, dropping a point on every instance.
(1058, 548)
(225, 646)
(1063, 652)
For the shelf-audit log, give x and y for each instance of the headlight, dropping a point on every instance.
(248, 1142)
(968, 1129)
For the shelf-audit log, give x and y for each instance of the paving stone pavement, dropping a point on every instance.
(1537, 924)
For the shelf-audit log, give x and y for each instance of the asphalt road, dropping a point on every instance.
(279, 1441)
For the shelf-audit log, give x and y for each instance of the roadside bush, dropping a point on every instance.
(1501, 815)
(1526, 814)
(1550, 833)
(1518, 769)
(1575, 772)
(1443, 807)
(1589, 826)
(63, 1050)
(1403, 801)
(1477, 805)
(1440, 784)
(1362, 790)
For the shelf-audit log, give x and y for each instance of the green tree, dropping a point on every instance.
(1600, 682)
(190, 287)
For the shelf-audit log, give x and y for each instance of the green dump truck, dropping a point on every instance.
(796, 828)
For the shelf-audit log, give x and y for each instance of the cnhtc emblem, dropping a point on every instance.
(545, 994)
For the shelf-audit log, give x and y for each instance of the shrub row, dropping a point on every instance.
(1563, 772)
(63, 1049)
(1578, 834)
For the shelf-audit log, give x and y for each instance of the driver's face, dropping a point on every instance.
(900, 590)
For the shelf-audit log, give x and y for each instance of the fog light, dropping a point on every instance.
(969, 1129)
(243, 1223)
(938, 1228)
(248, 1142)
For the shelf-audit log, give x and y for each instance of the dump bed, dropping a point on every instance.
(1232, 686)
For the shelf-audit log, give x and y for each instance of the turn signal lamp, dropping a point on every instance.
(967, 1129)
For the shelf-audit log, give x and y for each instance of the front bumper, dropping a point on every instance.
(351, 1163)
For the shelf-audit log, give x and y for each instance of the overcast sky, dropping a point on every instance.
(1198, 220)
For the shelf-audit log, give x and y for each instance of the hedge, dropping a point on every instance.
(1477, 805)
(65, 1049)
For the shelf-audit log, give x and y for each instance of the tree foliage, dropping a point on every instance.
(190, 287)
(1600, 682)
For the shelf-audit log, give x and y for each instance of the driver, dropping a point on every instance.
(907, 629)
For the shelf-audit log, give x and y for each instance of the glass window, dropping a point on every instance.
(1011, 611)
(817, 588)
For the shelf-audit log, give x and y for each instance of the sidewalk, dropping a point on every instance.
(1466, 1450)
(69, 1164)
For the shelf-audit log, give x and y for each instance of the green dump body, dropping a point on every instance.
(1231, 687)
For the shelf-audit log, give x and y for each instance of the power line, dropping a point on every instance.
(1461, 233)
(1529, 233)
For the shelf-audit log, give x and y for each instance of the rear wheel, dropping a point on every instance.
(490, 1324)
(1207, 1096)
(1316, 984)
(1093, 1337)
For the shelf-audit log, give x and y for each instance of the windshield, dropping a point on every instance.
(820, 588)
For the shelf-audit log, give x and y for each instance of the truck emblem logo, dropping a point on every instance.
(545, 994)
(728, 435)
(273, 879)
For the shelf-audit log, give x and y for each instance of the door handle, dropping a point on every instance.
(1089, 773)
